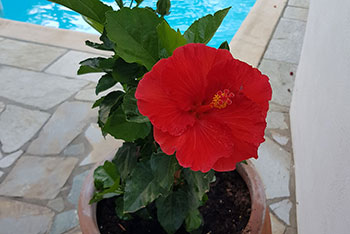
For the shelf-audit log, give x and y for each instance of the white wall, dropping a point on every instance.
(320, 119)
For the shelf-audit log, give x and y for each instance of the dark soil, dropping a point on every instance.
(226, 212)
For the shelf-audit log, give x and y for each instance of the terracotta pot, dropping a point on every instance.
(259, 221)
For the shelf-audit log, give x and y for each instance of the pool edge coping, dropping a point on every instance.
(248, 44)
(252, 38)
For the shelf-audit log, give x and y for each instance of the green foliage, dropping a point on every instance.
(169, 39)
(203, 29)
(224, 46)
(107, 182)
(106, 43)
(128, 73)
(93, 9)
(172, 210)
(96, 25)
(130, 108)
(135, 33)
(119, 209)
(107, 81)
(126, 159)
(150, 179)
(141, 176)
(163, 7)
(109, 103)
(193, 220)
(98, 64)
(120, 128)
(120, 3)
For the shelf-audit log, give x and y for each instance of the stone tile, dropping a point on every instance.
(276, 120)
(299, 3)
(1, 156)
(1, 174)
(276, 225)
(35, 88)
(64, 222)
(66, 123)
(10, 159)
(28, 55)
(1, 38)
(90, 96)
(68, 66)
(37, 177)
(273, 165)
(76, 149)
(282, 210)
(18, 125)
(296, 13)
(2, 107)
(73, 196)
(101, 147)
(56, 204)
(287, 41)
(20, 217)
(281, 76)
(282, 140)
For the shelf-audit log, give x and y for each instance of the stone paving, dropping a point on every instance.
(49, 138)
(275, 163)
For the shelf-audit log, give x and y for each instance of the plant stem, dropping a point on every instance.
(131, 3)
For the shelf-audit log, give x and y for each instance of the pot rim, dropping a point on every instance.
(256, 223)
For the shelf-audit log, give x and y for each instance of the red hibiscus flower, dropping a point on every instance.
(206, 106)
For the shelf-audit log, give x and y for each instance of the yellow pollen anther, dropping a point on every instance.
(222, 99)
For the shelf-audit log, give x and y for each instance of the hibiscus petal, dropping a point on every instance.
(242, 152)
(185, 74)
(158, 106)
(244, 118)
(203, 144)
(238, 76)
(166, 141)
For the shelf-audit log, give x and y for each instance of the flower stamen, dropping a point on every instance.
(222, 99)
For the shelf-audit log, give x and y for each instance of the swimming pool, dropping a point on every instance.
(183, 13)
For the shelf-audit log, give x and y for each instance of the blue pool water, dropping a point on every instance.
(183, 13)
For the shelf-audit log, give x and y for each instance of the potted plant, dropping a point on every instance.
(188, 114)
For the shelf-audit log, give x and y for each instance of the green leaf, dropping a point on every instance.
(134, 32)
(149, 180)
(172, 210)
(125, 159)
(106, 45)
(199, 182)
(225, 46)
(108, 104)
(97, 102)
(193, 220)
(138, 2)
(163, 7)
(203, 29)
(98, 64)
(96, 25)
(105, 176)
(130, 108)
(120, 128)
(113, 191)
(127, 73)
(107, 182)
(105, 82)
(119, 209)
(94, 9)
(120, 3)
(169, 38)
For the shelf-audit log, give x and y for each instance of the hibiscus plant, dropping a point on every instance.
(186, 110)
